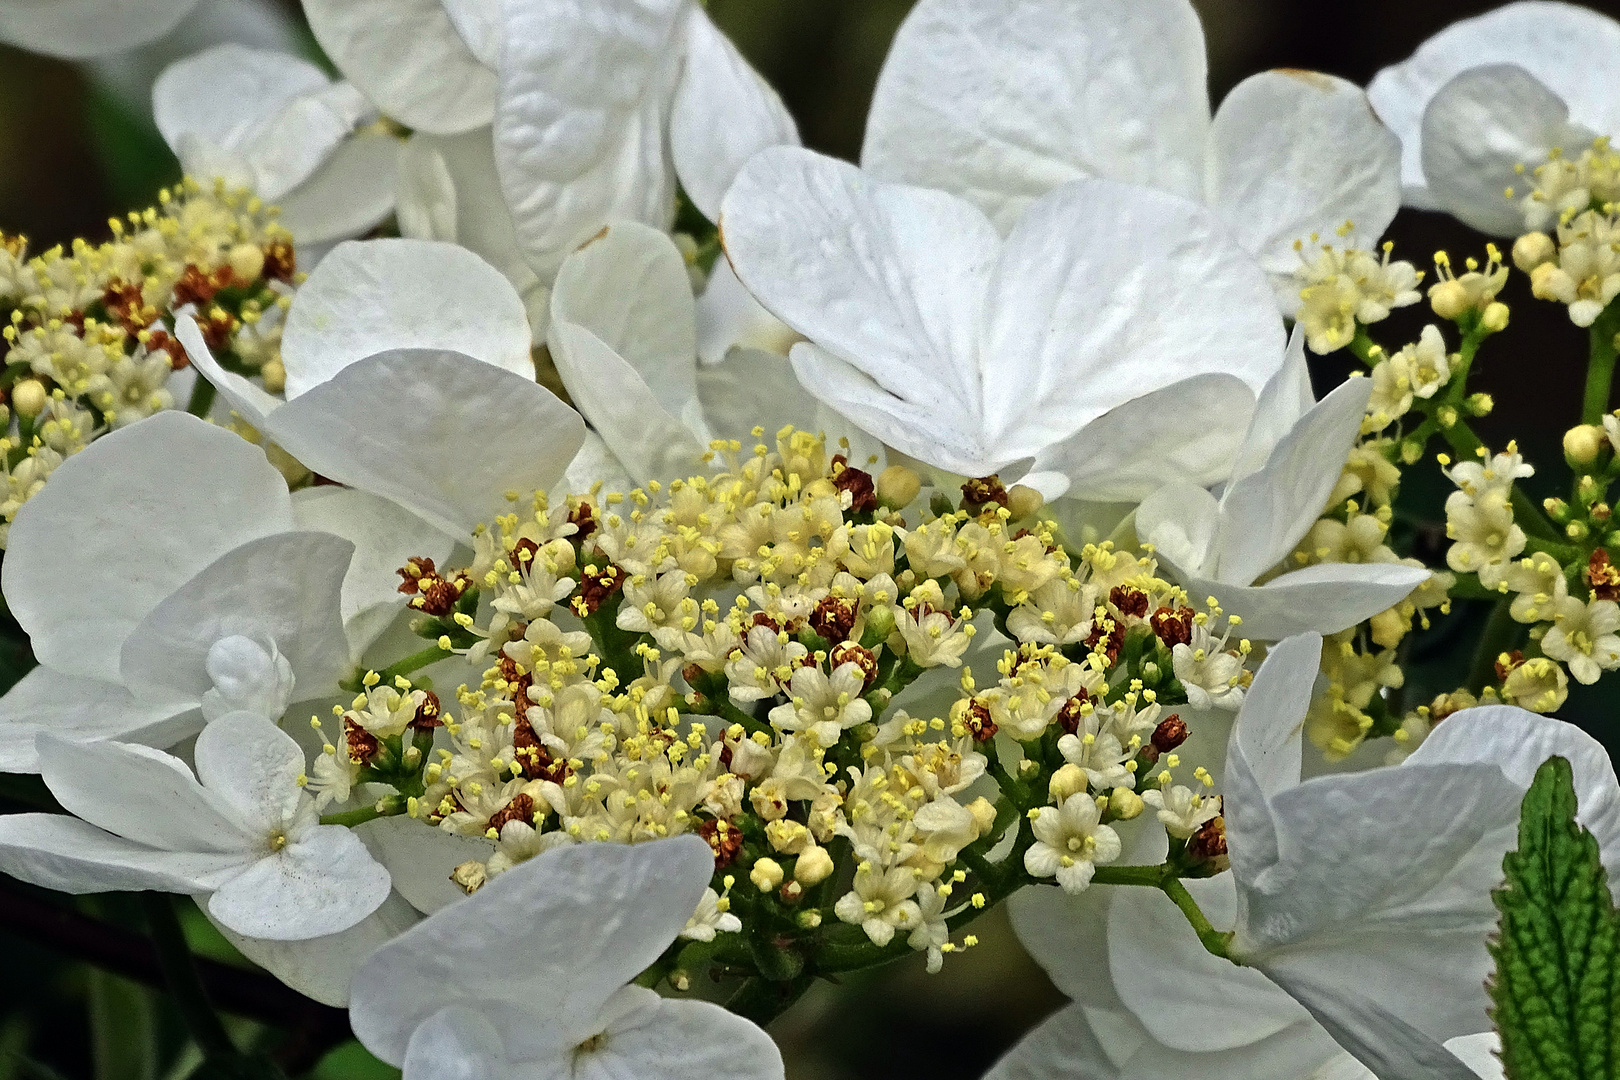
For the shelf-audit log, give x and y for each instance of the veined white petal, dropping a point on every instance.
(320, 884)
(83, 28)
(246, 397)
(58, 852)
(351, 193)
(251, 764)
(691, 1040)
(1324, 599)
(84, 710)
(420, 857)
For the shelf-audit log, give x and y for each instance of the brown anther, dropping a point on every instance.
(858, 484)
(125, 303)
(521, 808)
(522, 555)
(595, 586)
(984, 491)
(1173, 626)
(362, 744)
(1070, 717)
(1603, 576)
(533, 757)
(848, 652)
(725, 840)
(1109, 641)
(1506, 662)
(834, 618)
(978, 723)
(583, 518)
(432, 593)
(1132, 603)
(280, 264)
(196, 287)
(762, 619)
(429, 714)
(1208, 844)
(177, 352)
(1171, 733)
(217, 326)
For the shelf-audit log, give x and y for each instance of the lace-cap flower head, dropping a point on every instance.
(531, 975)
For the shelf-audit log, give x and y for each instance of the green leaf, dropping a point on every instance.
(1556, 991)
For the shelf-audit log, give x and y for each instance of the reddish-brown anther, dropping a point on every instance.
(280, 264)
(1129, 602)
(978, 723)
(521, 808)
(1070, 717)
(859, 484)
(984, 491)
(724, 838)
(1171, 733)
(429, 714)
(1208, 844)
(850, 653)
(196, 287)
(125, 304)
(362, 744)
(834, 618)
(583, 518)
(1173, 626)
(430, 591)
(1603, 576)
(1506, 662)
(595, 586)
(1110, 641)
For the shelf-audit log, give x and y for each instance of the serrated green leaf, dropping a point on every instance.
(1556, 991)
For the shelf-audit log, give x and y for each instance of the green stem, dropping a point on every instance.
(1214, 940)
(202, 397)
(350, 818)
(180, 972)
(1600, 366)
(412, 663)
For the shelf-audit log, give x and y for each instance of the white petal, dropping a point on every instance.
(609, 912)
(1301, 1050)
(629, 287)
(140, 794)
(1188, 432)
(687, 1040)
(1063, 1046)
(1001, 102)
(1286, 399)
(83, 28)
(1182, 301)
(752, 389)
(226, 93)
(1519, 742)
(1572, 49)
(593, 465)
(63, 853)
(47, 701)
(579, 130)
(441, 434)
(1325, 598)
(385, 537)
(369, 296)
(321, 884)
(1265, 514)
(728, 317)
(1480, 1053)
(456, 1044)
(406, 56)
(253, 766)
(123, 524)
(1268, 727)
(283, 589)
(1164, 974)
(420, 858)
(247, 398)
(479, 24)
(723, 114)
(323, 967)
(887, 281)
(1477, 128)
(1180, 520)
(449, 190)
(351, 193)
(1297, 154)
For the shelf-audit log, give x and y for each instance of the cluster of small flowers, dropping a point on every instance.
(1341, 289)
(715, 656)
(86, 343)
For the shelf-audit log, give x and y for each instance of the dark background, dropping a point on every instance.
(72, 154)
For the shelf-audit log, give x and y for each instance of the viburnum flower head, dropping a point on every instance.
(532, 976)
(1504, 118)
(1002, 101)
(973, 353)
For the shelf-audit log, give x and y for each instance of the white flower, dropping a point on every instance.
(824, 706)
(1491, 94)
(161, 580)
(1539, 581)
(1290, 464)
(880, 902)
(1181, 810)
(1479, 517)
(246, 835)
(1378, 927)
(1058, 613)
(1583, 636)
(474, 990)
(1070, 841)
(278, 126)
(712, 917)
(624, 335)
(932, 932)
(84, 28)
(960, 348)
(764, 662)
(1211, 673)
(933, 636)
(1001, 101)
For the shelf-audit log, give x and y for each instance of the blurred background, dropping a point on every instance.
(76, 147)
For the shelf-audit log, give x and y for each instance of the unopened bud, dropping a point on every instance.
(247, 262)
(786, 836)
(1449, 299)
(274, 373)
(1023, 502)
(766, 874)
(1479, 404)
(469, 876)
(1067, 781)
(29, 397)
(984, 814)
(897, 486)
(879, 625)
(1495, 318)
(1583, 443)
(1577, 531)
(809, 920)
(813, 867)
(1125, 804)
(1601, 513)
(1547, 281)
(1533, 249)
(791, 893)
(1557, 509)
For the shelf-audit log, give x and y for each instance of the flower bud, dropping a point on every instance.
(984, 814)
(1024, 502)
(247, 262)
(1533, 249)
(1067, 781)
(1479, 404)
(29, 397)
(1583, 443)
(1449, 299)
(879, 625)
(766, 874)
(274, 373)
(1557, 509)
(1125, 804)
(791, 893)
(1495, 318)
(813, 867)
(897, 486)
